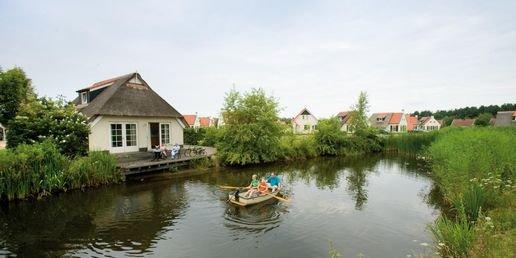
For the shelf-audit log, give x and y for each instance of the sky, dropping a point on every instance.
(407, 55)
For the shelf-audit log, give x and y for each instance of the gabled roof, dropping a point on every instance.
(395, 118)
(463, 122)
(380, 119)
(204, 121)
(304, 111)
(424, 119)
(345, 117)
(122, 97)
(411, 122)
(190, 119)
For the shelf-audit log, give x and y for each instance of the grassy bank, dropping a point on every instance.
(40, 169)
(475, 170)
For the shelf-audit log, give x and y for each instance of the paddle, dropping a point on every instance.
(277, 197)
(231, 187)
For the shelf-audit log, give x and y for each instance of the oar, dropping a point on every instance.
(231, 187)
(277, 197)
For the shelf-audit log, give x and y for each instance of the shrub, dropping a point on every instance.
(329, 139)
(192, 136)
(211, 137)
(54, 120)
(98, 168)
(297, 146)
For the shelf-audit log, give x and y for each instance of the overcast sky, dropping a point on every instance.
(410, 55)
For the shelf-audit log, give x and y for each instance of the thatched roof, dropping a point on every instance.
(127, 95)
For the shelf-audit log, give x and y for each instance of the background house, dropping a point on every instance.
(126, 115)
(505, 118)
(304, 122)
(463, 122)
(428, 123)
(345, 119)
(389, 122)
(193, 121)
(2, 136)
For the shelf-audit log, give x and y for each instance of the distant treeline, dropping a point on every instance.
(467, 112)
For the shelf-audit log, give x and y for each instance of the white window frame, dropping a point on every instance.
(84, 97)
(124, 147)
(161, 134)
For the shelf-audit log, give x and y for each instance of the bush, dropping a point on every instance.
(297, 146)
(192, 136)
(98, 168)
(211, 137)
(329, 139)
(53, 120)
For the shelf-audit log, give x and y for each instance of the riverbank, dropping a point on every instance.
(37, 170)
(475, 171)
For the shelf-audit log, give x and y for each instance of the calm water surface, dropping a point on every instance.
(375, 206)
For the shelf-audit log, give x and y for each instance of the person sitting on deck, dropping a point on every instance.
(253, 187)
(262, 187)
(157, 153)
(164, 151)
(175, 151)
(273, 182)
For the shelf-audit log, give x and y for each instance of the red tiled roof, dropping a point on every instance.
(204, 121)
(343, 113)
(102, 83)
(463, 122)
(411, 122)
(395, 118)
(190, 119)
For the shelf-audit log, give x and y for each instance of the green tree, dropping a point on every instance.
(328, 137)
(483, 119)
(358, 118)
(252, 132)
(55, 120)
(15, 88)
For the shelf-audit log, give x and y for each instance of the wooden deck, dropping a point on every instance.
(141, 162)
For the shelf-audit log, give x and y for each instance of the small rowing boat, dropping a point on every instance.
(245, 201)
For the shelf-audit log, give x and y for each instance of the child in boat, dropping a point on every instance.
(262, 187)
(253, 187)
(273, 182)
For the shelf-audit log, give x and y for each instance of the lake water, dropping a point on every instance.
(375, 206)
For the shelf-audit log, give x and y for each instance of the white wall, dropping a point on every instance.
(300, 121)
(100, 135)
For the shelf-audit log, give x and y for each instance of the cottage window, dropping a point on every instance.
(84, 97)
(165, 133)
(130, 135)
(307, 127)
(116, 135)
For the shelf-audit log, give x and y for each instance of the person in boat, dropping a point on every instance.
(253, 187)
(263, 187)
(273, 182)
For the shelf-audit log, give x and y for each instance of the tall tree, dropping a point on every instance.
(251, 132)
(15, 88)
(358, 118)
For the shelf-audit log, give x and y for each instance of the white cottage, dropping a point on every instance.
(304, 122)
(389, 122)
(126, 115)
(428, 123)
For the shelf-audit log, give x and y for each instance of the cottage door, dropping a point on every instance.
(154, 134)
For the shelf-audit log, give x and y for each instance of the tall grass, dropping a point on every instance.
(411, 143)
(297, 146)
(40, 169)
(475, 170)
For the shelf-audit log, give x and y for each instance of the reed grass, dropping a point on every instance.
(475, 170)
(411, 143)
(40, 169)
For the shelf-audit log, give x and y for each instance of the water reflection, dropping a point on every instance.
(342, 199)
(122, 218)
